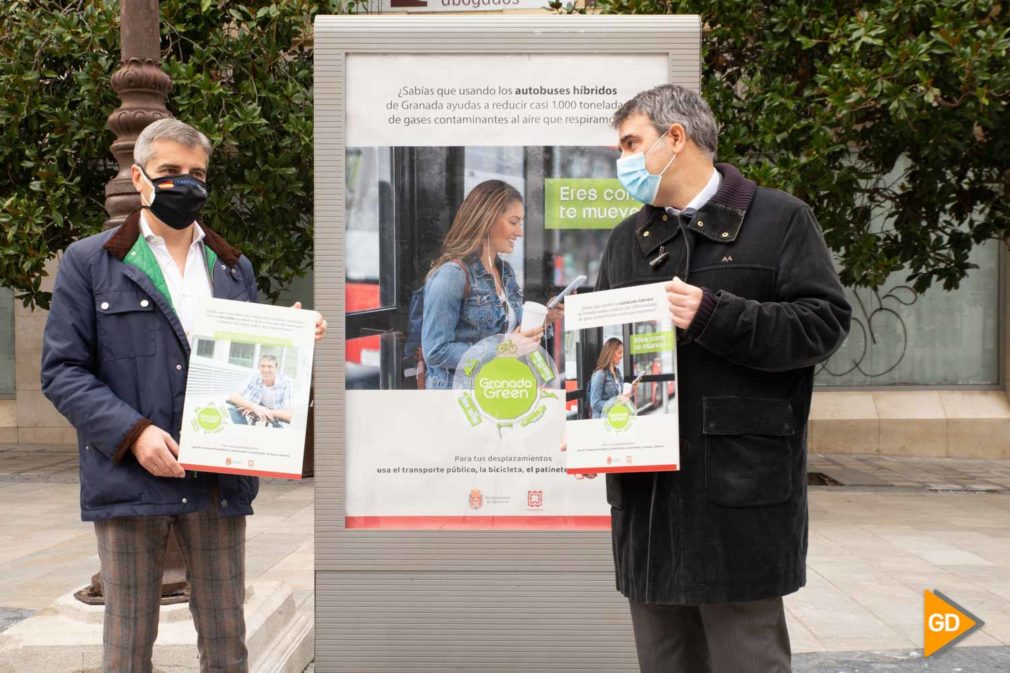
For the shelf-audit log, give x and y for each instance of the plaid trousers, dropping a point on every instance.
(132, 552)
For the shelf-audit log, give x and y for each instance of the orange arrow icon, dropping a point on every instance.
(944, 622)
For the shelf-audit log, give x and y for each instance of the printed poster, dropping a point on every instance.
(622, 432)
(433, 6)
(479, 187)
(247, 393)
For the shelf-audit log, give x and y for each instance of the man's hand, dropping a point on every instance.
(684, 302)
(320, 323)
(156, 452)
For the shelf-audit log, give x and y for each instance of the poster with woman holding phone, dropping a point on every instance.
(471, 292)
(468, 217)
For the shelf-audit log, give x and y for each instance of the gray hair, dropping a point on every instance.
(269, 358)
(168, 128)
(669, 104)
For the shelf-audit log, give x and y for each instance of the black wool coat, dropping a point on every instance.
(731, 525)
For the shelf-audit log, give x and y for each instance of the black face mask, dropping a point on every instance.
(176, 199)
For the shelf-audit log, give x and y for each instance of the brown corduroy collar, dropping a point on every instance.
(735, 194)
(122, 241)
(718, 220)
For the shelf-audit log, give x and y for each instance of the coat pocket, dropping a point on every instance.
(104, 483)
(749, 450)
(125, 324)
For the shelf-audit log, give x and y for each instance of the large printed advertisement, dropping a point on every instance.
(479, 187)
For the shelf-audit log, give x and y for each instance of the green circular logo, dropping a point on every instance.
(209, 418)
(505, 388)
(619, 416)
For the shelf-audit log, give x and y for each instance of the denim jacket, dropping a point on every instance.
(602, 388)
(453, 322)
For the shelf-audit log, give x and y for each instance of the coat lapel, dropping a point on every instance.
(224, 276)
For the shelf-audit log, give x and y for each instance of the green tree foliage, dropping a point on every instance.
(241, 73)
(55, 64)
(890, 117)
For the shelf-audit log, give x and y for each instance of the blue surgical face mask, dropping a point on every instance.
(637, 180)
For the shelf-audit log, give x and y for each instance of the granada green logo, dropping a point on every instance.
(209, 419)
(505, 388)
(501, 386)
(618, 417)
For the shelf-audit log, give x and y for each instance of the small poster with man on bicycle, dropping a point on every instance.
(247, 393)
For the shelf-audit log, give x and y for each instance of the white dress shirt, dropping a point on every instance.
(702, 197)
(185, 286)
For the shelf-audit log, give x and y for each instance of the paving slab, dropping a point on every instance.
(938, 474)
(46, 551)
(973, 660)
(896, 527)
(9, 616)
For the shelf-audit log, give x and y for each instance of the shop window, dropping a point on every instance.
(368, 228)
(205, 348)
(938, 338)
(241, 354)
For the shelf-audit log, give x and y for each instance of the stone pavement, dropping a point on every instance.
(967, 660)
(901, 473)
(46, 550)
(896, 527)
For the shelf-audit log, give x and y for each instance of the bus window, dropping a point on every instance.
(368, 179)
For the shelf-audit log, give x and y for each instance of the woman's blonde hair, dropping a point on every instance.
(474, 219)
(610, 347)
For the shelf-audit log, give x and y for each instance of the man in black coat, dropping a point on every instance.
(705, 554)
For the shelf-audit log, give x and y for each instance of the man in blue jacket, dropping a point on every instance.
(114, 362)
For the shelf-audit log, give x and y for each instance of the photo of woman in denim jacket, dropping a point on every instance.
(470, 292)
(607, 381)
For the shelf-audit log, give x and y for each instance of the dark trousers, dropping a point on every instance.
(132, 551)
(749, 637)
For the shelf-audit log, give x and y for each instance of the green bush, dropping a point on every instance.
(55, 64)
(894, 109)
(241, 73)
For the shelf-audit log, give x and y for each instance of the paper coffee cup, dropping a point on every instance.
(627, 388)
(534, 315)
